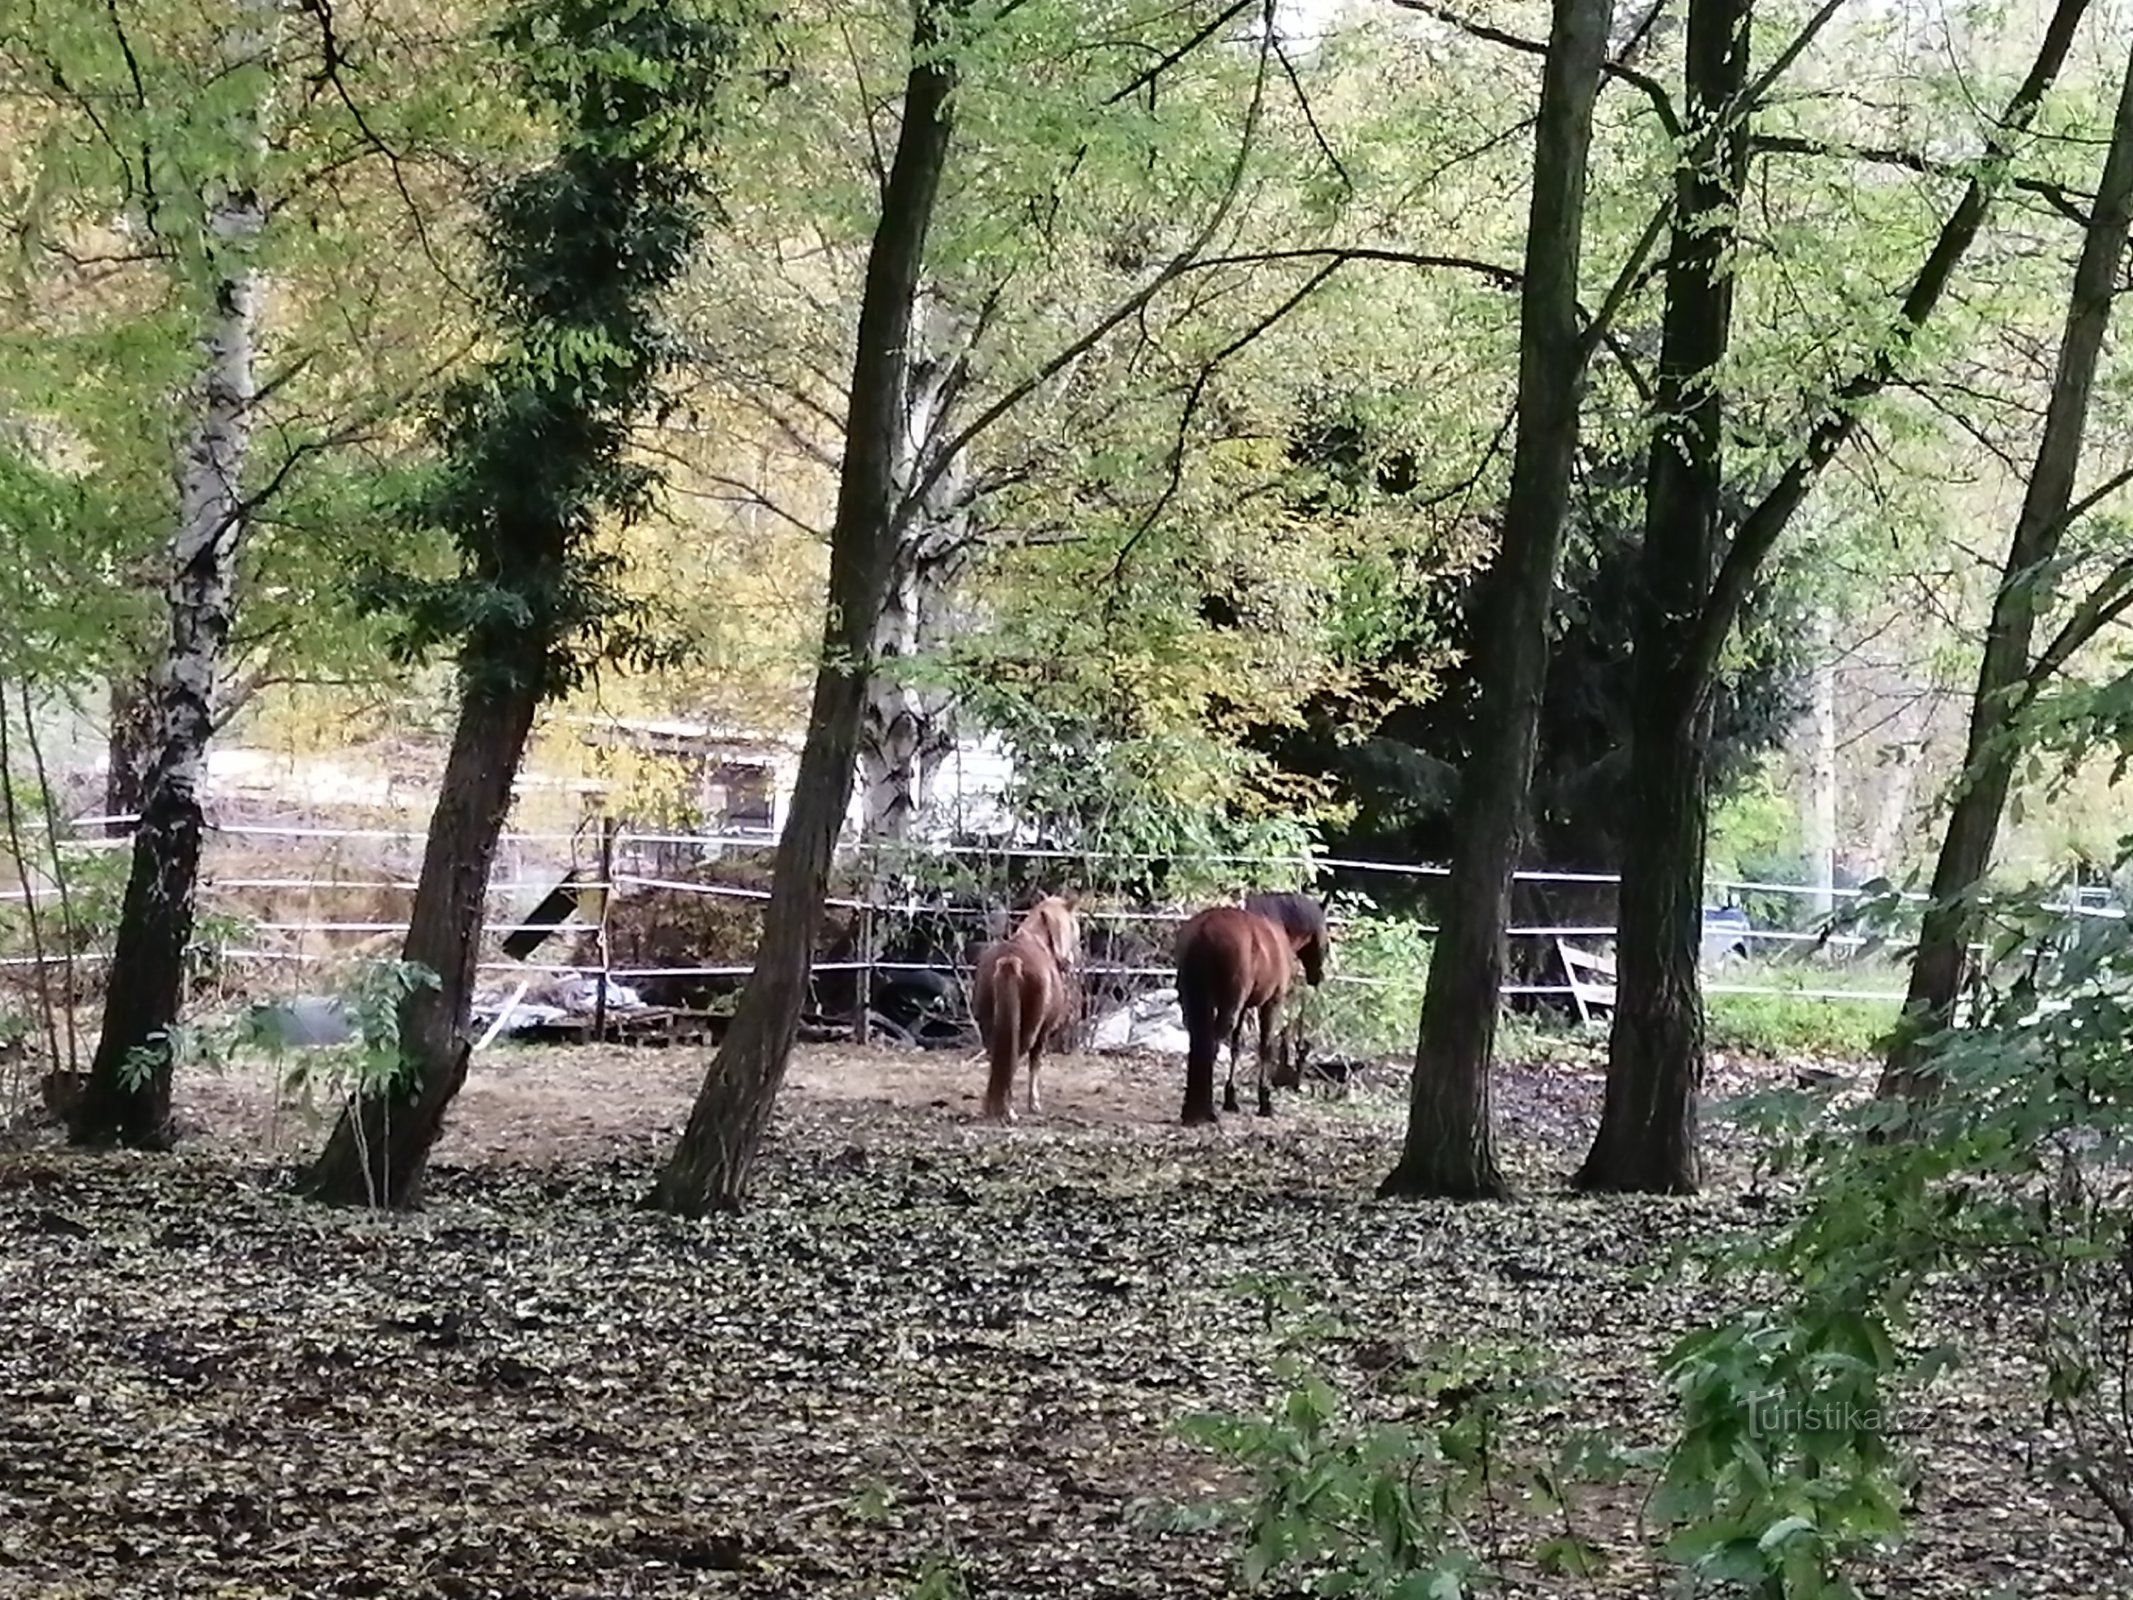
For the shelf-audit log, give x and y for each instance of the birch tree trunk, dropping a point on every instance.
(909, 727)
(1884, 840)
(127, 1099)
(2025, 591)
(1821, 818)
(1450, 1144)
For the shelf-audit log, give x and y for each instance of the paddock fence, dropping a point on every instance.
(280, 901)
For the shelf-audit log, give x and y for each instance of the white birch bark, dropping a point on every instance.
(909, 730)
(128, 1095)
(1821, 820)
(1899, 777)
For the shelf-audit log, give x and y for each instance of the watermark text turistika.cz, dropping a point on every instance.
(1772, 1415)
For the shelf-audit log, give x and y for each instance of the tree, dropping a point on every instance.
(909, 727)
(707, 1168)
(1654, 1033)
(170, 175)
(1450, 1144)
(1397, 771)
(2008, 679)
(127, 1098)
(537, 448)
(1647, 1136)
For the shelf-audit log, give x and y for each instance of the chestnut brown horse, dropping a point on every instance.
(1235, 960)
(1020, 998)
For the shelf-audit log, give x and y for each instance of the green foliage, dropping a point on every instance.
(1775, 1026)
(537, 444)
(1785, 1472)
(1751, 826)
(1383, 964)
(370, 1063)
(1345, 1504)
(125, 127)
(940, 1578)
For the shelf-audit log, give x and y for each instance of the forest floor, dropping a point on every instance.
(929, 1338)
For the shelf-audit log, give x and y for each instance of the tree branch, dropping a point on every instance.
(2058, 196)
(1318, 134)
(2106, 601)
(1650, 86)
(1634, 267)
(1193, 397)
(1501, 276)
(1128, 308)
(1164, 63)
(1763, 526)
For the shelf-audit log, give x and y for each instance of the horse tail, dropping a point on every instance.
(1004, 1046)
(1210, 1016)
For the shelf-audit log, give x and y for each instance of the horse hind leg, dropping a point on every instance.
(1269, 1023)
(1229, 1084)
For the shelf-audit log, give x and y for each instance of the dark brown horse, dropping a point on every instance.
(1020, 998)
(1235, 960)
(1303, 918)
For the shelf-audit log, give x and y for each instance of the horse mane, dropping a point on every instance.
(1298, 914)
(1052, 921)
(1300, 917)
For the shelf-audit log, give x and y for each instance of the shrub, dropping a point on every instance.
(1371, 1004)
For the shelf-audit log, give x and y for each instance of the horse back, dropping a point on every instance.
(1235, 953)
(1041, 987)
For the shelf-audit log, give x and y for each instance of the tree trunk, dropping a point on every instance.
(2003, 682)
(127, 1097)
(130, 746)
(909, 727)
(1822, 771)
(1647, 1136)
(1647, 1141)
(381, 1145)
(709, 1168)
(1884, 841)
(892, 730)
(1450, 1145)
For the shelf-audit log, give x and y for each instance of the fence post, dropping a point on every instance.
(610, 827)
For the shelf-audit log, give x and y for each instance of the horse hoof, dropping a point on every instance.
(1266, 1104)
(1229, 1099)
(1199, 1119)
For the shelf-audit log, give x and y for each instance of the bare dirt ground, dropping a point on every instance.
(928, 1338)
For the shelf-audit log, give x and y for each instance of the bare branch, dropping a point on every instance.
(1303, 104)
(1763, 526)
(2058, 196)
(1501, 276)
(1163, 64)
(1652, 89)
(745, 494)
(1191, 408)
